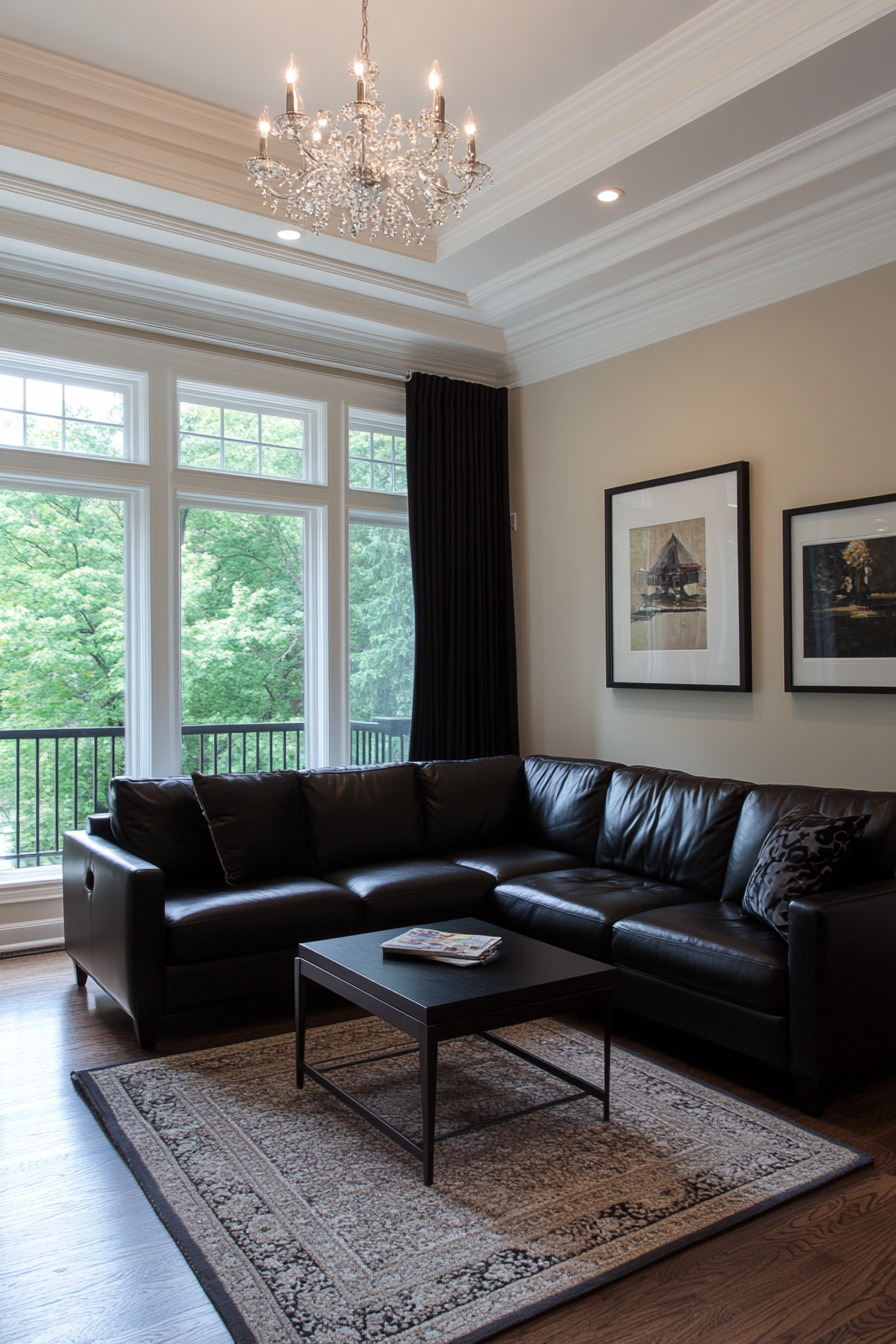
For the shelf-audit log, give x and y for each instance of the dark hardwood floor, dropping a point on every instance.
(83, 1258)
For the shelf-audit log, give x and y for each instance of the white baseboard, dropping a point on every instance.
(31, 935)
(31, 909)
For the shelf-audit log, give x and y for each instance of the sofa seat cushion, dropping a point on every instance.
(503, 862)
(415, 891)
(711, 947)
(577, 908)
(207, 926)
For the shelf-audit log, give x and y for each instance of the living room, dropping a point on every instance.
(737, 306)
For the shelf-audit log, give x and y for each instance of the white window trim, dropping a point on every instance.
(131, 384)
(377, 518)
(313, 413)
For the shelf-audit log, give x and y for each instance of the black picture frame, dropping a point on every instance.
(839, 634)
(660, 638)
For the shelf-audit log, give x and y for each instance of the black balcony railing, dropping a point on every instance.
(51, 779)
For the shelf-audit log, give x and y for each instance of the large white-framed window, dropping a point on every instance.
(381, 643)
(257, 405)
(74, 666)
(252, 584)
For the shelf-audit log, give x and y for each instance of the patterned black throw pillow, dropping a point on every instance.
(798, 857)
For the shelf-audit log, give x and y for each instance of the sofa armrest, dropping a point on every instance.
(114, 911)
(842, 983)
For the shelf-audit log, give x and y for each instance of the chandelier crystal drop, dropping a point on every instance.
(398, 181)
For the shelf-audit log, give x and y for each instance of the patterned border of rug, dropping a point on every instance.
(302, 1222)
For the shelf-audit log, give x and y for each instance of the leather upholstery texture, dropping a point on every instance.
(258, 824)
(503, 862)
(469, 804)
(673, 827)
(100, 823)
(710, 947)
(734, 1025)
(872, 859)
(566, 803)
(414, 890)
(577, 909)
(160, 820)
(366, 815)
(262, 918)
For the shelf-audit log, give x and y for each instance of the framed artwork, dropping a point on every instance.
(678, 581)
(840, 596)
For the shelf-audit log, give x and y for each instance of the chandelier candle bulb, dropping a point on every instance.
(292, 98)
(264, 130)
(470, 133)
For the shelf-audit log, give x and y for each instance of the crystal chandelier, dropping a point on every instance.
(395, 181)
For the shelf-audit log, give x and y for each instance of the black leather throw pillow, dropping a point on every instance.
(257, 823)
(160, 821)
(799, 857)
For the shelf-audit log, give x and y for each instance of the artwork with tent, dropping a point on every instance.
(668, 585)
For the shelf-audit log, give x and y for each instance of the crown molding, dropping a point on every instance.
(159, 306)
(812, 247)
(837, 144)
(208, 235)
(65, 109)
(345, 308)
(715, 56)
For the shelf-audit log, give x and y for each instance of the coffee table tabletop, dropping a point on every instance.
(433, 1002)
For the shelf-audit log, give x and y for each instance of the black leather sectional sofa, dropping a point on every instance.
(641, 867)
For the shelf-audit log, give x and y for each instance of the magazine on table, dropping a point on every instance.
(455, 949)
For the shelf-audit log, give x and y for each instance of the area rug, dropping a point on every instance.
(302, 1222)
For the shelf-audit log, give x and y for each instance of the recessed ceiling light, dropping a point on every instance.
(289, 235)
(609, 194)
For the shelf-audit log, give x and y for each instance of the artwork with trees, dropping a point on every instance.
(849, 598)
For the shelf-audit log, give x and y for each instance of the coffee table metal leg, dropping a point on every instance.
(429, 1056)
(607, 1033)
(301, 1014)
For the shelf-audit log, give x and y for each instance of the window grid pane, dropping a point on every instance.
(59, 417)
(235, 440)
(376, 456)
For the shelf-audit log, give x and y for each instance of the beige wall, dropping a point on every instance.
(805, 391)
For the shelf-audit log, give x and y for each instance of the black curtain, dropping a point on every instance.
(465, 694)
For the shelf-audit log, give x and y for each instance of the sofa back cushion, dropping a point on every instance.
(566, 802)
(470, 804)
(160, 821)
(364, 815)
(871, 859)
(670, 826)
(257, 823)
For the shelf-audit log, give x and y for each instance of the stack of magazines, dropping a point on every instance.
(455, 949)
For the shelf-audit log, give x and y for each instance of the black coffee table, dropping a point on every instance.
(433, 1002)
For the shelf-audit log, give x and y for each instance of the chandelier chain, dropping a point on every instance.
(365, 41)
